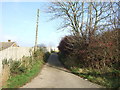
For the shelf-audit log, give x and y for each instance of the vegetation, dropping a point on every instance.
(20, 79)
(92, 48)
(46, 56)
(97, 61)
(109, 79)
(23, 71)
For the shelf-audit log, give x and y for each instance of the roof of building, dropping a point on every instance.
(4, 45)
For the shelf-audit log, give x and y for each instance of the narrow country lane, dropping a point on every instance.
(54, 75)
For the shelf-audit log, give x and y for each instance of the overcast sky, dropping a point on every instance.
(19, 24)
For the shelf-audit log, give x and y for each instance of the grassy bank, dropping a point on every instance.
(21, 79)
(23, 71)
(109, 77)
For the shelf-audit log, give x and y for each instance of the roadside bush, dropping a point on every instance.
(103, 50)
(38, 54)
(66, 45)
(5, 62)
(17, 68)
(100, 52)
(46, 56)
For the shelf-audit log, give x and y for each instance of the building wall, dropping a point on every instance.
(14, 53)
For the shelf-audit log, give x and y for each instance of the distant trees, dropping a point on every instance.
(42, 47)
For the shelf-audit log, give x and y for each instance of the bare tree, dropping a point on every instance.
(84, 19)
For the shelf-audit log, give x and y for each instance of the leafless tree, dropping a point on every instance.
(85, 18)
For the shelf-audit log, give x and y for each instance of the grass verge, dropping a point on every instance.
(106, 79)
(20, 80)
(109, 78)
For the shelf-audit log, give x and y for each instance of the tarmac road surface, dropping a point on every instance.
(54, 75)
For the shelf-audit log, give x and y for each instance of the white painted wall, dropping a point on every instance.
(14, 53)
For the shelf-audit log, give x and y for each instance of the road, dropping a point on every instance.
(54, 75)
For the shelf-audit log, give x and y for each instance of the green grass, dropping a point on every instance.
(109, 78)
(106, 79)
(20, 80)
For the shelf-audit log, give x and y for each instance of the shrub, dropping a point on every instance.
(17, 68)
(5, 62)
(67, 44)
(102, 51)
(46, 56)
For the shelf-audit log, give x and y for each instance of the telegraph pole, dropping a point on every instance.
(36, 37)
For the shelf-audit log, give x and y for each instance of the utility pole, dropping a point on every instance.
(36, 37)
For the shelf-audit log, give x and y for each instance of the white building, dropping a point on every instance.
(49, 49)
